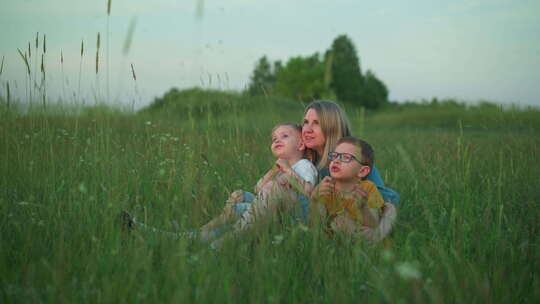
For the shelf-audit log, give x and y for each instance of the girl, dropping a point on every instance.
(292, 178)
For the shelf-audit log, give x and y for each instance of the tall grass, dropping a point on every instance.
(467, 228)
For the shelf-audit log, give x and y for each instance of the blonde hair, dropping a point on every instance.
(334, 125)
(293, 125)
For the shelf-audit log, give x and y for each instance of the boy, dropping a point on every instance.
(346, 200)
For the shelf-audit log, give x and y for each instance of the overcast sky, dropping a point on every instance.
(466, 49)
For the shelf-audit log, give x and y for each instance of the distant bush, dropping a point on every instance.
(452, 113)
(197, 103)
(102, 110)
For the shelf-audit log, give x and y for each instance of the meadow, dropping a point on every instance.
(467, 230)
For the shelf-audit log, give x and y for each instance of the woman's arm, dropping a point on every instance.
(369, 216)
(384, 228)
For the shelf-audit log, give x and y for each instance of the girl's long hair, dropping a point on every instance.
(334, 124)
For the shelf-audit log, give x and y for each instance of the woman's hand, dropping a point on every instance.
(326, 187)
(385, 226)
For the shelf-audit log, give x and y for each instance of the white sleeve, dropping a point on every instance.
(306, 170)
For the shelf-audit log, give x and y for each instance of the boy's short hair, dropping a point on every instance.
(366, 151)
(293, 125)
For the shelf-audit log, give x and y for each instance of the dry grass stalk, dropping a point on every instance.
(80, 71)
(8, 93)
(133, 73)
(199, 13)
(43, 80)
(328, 69)
(129, 36)
(42, 66)
(97, 52)
(25, 59)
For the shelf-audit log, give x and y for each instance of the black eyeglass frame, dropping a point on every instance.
(336, 155)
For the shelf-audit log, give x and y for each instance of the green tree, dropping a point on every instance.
(262, 79)
(375, 91)
(302, 78)
(346, 76)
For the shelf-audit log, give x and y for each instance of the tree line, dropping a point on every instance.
(335, 75)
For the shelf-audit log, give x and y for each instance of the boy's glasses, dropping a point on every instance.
(344, 157)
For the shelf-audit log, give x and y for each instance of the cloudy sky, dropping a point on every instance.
(467, 49)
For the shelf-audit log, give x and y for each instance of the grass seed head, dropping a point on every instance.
(42, 65)
(109, 7)
(133, 73)
(129, 36)
(8, 92)
(97, 52)
(44, 43)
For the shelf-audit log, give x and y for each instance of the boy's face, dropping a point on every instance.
(343, 171)
(286, 142)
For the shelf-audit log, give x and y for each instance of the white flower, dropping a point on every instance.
(408, 270)
(278, 239)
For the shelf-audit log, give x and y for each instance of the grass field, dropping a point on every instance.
(467, 230)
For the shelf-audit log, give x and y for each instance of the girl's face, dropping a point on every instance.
(286, 143)
(312, 133)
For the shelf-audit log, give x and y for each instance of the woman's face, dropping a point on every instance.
(312, 133)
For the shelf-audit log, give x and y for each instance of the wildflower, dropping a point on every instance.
(278, 239)
(408, 271)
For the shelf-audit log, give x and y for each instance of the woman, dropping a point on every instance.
(324, 124)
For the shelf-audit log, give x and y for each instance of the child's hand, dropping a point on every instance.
(282, 180)
(360, 194)
(326, 187)
(283, 166)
